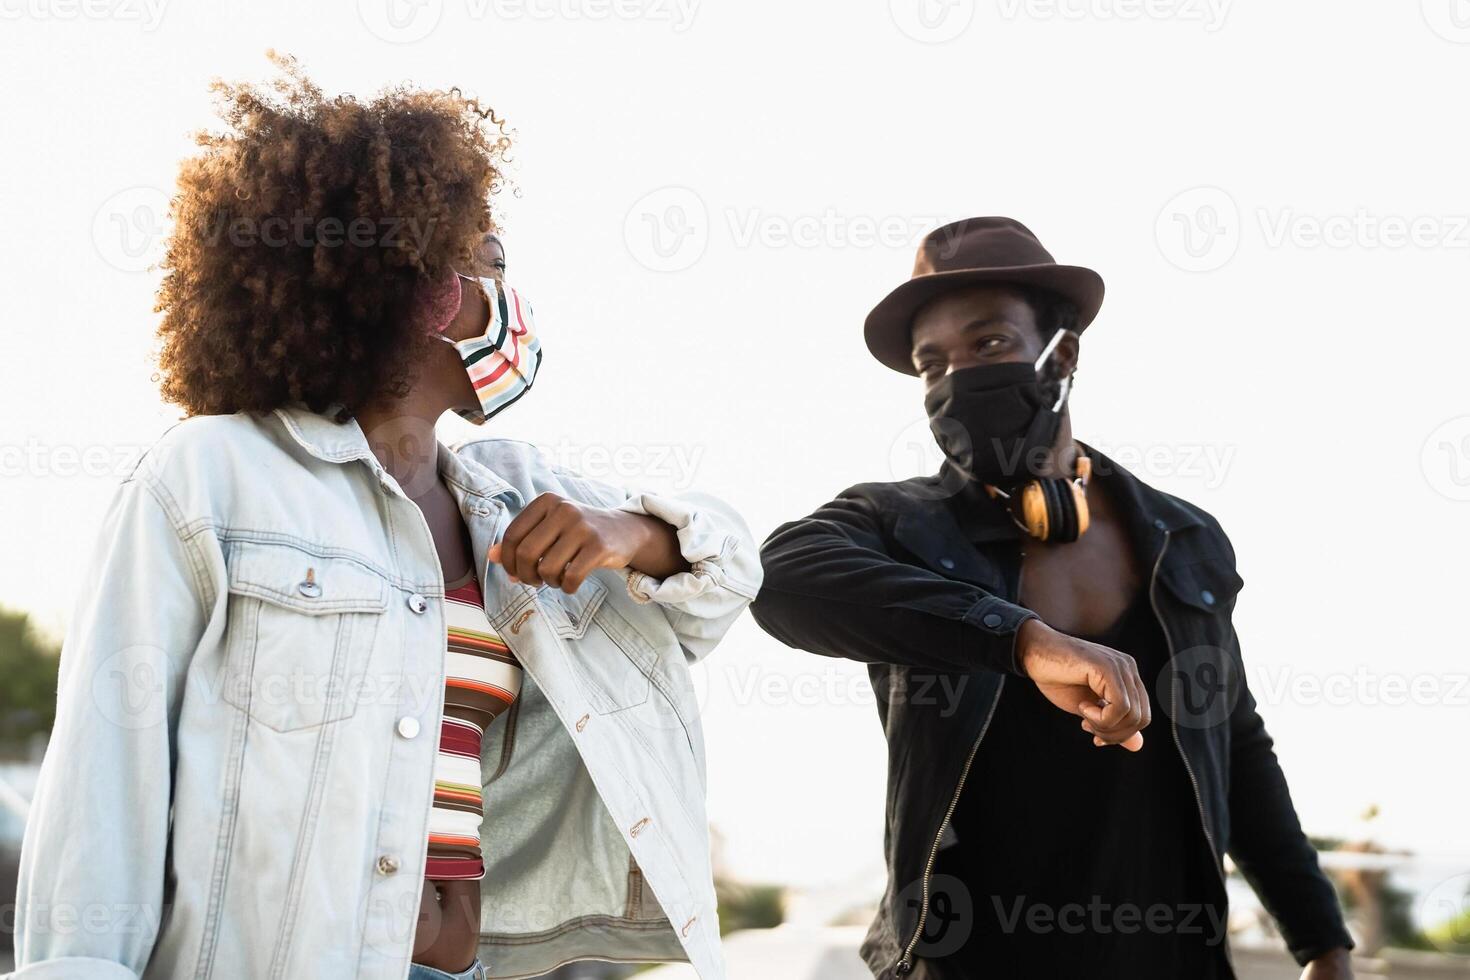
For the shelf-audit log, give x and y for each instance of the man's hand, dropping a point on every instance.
(559, 542)
(1087, 679)
(1334, 965)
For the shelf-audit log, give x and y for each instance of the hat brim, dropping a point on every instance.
(888, 325)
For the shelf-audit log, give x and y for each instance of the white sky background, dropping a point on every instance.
(1307, 391)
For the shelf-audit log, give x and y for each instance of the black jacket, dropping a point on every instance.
(885, 575)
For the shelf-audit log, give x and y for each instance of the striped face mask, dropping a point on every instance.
(502, 362)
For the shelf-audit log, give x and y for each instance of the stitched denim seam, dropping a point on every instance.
(224, 847)
(311, 547)
(305, 833)
(203, 590)
(571, 925)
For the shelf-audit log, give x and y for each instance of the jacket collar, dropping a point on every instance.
(1146, 505)
(318, 434)
(343, 442)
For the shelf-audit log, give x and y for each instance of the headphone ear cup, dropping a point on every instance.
(1079, 498)
(1054, 509)
(1067, 520)
(1035, 509)
(1049, 499)
(1060, 514)
(1066, 507)
(1066, 513)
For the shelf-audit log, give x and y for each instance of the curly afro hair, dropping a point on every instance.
(301, 235)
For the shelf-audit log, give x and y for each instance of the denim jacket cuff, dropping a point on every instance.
(704, 543)
(999, 623)
(69, 967)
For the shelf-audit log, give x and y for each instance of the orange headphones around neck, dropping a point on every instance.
(1051, 508)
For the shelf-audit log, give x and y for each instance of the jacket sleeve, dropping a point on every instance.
(724, 566)
(833, 588)
(1267, 843)
(90, 894)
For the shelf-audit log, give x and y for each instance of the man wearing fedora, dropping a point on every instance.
(1025, 612)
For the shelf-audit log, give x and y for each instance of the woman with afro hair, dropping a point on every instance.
(338, 700)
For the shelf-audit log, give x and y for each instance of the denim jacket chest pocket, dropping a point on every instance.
(1204, 584)
(610, 657)
(302, 625)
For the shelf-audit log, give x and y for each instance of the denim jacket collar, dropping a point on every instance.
(318, 434)
(344, 442)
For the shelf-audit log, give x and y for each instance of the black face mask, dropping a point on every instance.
(995, 423)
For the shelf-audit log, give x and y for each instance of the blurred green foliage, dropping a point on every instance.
(28, 663)
(745, 906)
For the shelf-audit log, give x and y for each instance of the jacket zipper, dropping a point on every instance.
(905, 962)
(1174, 725)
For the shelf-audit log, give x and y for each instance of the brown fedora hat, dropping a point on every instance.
(973, 252)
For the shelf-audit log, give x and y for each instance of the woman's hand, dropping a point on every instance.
(559, 542)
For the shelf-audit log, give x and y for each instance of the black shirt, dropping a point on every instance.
(1070, 859)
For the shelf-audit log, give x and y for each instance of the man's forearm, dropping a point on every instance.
(1269, 846)
(658, 555)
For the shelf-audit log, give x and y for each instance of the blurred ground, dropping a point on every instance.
(801, 953)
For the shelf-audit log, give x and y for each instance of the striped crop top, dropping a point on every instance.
(481, 680)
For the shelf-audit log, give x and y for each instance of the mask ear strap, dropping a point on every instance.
(1051, 345)
(491, 301)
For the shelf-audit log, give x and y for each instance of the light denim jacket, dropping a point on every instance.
(239, 781)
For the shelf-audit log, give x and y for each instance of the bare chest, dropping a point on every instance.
(1082, 587)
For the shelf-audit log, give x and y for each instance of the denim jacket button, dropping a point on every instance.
(387, 864)
(408, 726)
(948, 563)
(1207, 597)
(417, 603)
(992, 620)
